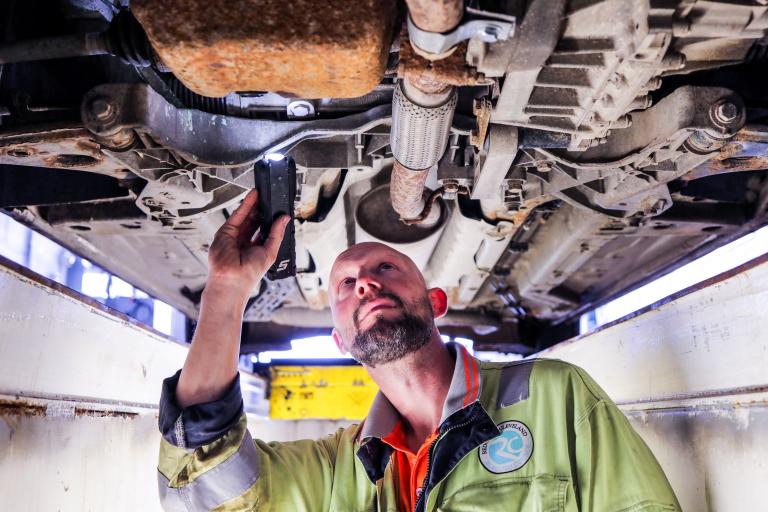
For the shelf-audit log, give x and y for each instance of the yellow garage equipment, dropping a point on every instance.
(320, 392)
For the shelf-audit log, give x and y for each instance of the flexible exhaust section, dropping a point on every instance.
(421, 125)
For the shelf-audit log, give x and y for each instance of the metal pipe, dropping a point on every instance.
(77, 45)
(406, 190)
(125, 38)
(436, 15)
(422, 113)
(421, 124)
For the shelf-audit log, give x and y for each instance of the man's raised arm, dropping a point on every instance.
(237, 265)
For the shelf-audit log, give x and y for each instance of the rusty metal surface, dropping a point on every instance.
(305, 48)
(407, 191)
(430, 201)
(747, 151)
(482, 108)
(434, 76)
(58, 147)
(436, 15)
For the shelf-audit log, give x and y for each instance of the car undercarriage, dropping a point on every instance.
(535, 159)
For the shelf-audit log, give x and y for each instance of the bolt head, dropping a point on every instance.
(102, 109)
(450, 185)
(300, 109)
(726, 112)
(491, 32)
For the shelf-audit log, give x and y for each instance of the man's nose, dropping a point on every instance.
(367, 286)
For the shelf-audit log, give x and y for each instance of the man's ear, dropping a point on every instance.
(337, 340)
(439, 301)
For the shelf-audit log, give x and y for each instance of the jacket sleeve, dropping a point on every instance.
(616, 471)
(209, 461)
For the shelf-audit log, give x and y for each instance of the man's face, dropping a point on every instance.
(380, 305)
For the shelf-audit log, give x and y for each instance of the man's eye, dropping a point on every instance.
(386, 266)
(348, 282)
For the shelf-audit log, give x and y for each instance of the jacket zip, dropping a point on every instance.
(429, 459)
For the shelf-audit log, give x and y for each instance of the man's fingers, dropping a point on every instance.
(275, 238)
(248, 206)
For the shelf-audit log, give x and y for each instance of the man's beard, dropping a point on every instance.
(389, 340)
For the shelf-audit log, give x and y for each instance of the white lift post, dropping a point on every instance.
(691, 374)
(79, 387)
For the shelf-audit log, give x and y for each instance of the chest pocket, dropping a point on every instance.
(542, 493)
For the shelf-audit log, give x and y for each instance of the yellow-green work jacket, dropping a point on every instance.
(535, 435)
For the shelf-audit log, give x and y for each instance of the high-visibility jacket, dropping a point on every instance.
(533, 435)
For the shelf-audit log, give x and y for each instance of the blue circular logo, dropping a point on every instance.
(508, 451)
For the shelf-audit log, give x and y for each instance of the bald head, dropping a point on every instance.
(364, 252)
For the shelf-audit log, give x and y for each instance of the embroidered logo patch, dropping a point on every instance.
(508, 451)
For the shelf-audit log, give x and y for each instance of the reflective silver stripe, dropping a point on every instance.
(514, 383)
(219, 484)
(179, 433)
(170, 499)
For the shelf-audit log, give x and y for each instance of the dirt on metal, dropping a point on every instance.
(21, 408)
(304, 48)
(436, 15)
(433, 76)
(406, 189)
(58, 147)
(92, 413)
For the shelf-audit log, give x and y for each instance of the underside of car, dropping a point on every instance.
(534, 158)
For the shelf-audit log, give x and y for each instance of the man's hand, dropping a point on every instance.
(234, 259)
(237, 264)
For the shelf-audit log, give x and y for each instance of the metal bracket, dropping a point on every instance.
(489, 27)
(494, 162)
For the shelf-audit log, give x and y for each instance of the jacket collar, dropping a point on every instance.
(382, 418)
(464, 390)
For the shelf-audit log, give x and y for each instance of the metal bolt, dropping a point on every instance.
(450, 189)
(653, 84)
(492, 31)
(624, 121)
(726, 112)
(673, 61)
(450, 186)
(300, 109)
(102, 109)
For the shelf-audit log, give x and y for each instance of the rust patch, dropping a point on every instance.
(26, 409)
(406, 190)
(57, 147)
(80, 411)
(747, 163)
(436, 15)
(519, 217)
(306, 48)
(482, 109)
(430, 75)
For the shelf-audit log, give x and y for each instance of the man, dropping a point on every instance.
(446, 431)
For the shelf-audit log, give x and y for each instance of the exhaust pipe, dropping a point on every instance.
(436, 15)
(421, 125)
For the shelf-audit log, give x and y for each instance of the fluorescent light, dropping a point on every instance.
(162, 317)
(275, 157)
(317, 347)
(716, 262)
